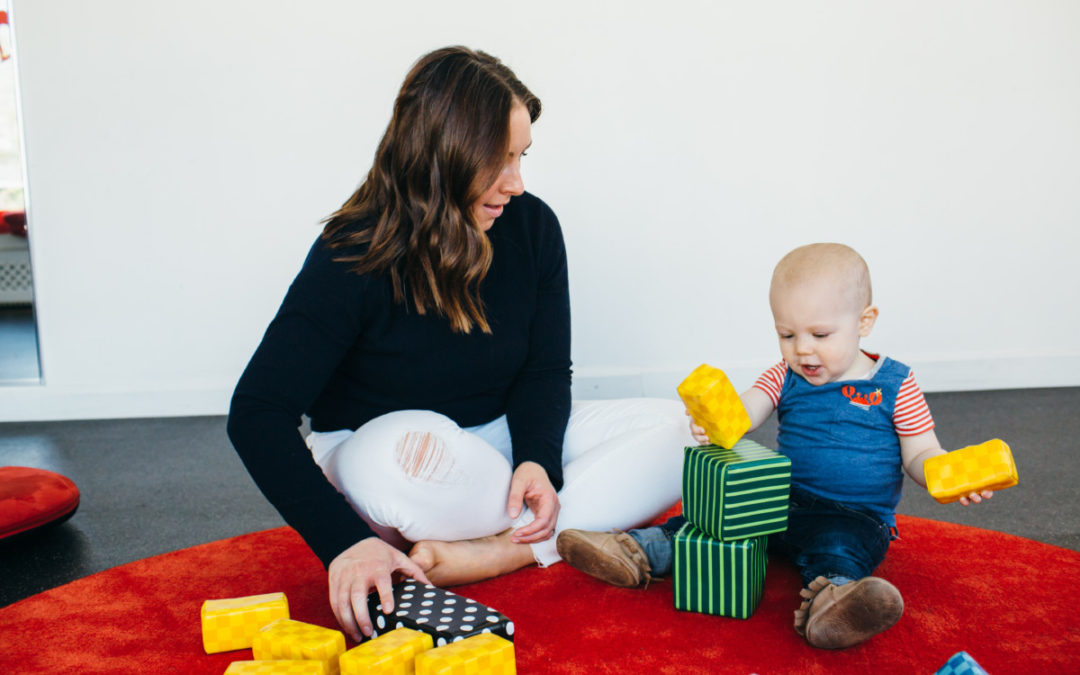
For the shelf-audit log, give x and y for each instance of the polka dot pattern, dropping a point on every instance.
(445, 616)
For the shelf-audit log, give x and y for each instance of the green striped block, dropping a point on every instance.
(725, 578)
(738, 493)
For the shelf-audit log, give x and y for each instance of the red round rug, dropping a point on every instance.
(1009, 602)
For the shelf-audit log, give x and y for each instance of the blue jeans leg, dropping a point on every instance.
(832, 540)
(656, 542)
(823, 538)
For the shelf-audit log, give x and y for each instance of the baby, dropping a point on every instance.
(848, 420)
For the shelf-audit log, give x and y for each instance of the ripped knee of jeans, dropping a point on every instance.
(422, 455)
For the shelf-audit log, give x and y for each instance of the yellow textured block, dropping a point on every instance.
(281, 667)
(482, 654)
(288, 639)
(392, 653)
(231, 623)
(715, 405)
(986, 466)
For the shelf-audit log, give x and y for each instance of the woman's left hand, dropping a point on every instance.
(531, 486)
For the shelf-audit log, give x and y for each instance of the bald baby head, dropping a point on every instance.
(817, 263)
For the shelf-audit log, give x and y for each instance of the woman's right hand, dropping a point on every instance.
(366, 565)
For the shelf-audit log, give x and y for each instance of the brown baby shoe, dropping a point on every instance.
(614, 557)
(835, 617)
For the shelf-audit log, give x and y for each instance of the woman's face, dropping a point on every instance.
(508, 184)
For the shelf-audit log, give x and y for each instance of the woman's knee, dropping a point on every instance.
(412, 470)
(414, 445)
(652, 421)
(655, 412)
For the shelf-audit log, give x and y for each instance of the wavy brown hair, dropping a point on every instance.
(412, 216)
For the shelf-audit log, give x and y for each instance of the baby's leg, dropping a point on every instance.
(825, 540)
(836, 549)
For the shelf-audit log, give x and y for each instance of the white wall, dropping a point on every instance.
(180, 156)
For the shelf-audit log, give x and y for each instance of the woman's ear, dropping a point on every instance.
(867, 319)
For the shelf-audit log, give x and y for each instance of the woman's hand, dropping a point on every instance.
(530, 485)
(368, 564)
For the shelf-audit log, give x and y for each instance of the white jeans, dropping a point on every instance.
(415, 475)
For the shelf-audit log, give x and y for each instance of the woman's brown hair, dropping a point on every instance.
(445, 145)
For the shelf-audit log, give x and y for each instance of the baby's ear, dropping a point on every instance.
(867, 319)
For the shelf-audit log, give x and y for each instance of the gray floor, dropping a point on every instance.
(157, 485)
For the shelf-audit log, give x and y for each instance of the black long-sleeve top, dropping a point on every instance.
(343, 352)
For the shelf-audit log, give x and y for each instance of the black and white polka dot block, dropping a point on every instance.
(445, 616)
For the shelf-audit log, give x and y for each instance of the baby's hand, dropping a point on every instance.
(976, 497)
(697, 431)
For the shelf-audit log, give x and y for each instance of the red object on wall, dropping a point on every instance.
(4, 56)
(32, 498)
(13, 222)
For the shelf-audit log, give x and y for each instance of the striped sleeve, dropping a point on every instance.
(772, 382)
(911, 416)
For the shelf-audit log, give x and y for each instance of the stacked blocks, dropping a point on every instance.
(445, 616)
(718, 577)
(738, 493)
(392, 653)
(480, 654)
(961, 663)
(295, 640)
(276, 668)
(715, 405)
(732, 499)
(987, 466)
(231, 623)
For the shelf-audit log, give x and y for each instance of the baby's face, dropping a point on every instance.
(819, 330)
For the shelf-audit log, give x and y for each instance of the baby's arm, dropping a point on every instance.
(914, 450)
(758, 406)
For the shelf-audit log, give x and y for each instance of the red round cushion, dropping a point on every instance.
(31, 498)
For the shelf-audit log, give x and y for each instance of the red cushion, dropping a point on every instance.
(31, 498)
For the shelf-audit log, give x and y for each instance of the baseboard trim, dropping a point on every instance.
(40, 402)
(933, 375)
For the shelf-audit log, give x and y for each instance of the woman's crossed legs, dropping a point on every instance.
(416, 476)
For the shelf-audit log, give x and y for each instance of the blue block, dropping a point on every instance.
(961, 663)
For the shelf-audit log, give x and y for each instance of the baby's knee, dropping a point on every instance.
(845, 555)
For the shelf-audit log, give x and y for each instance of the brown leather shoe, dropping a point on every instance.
(835, 617)
(614, 557)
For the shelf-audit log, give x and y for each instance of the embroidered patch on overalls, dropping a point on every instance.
(861, 400)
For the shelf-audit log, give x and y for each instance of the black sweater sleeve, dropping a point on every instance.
(538, 405)
(317, 323)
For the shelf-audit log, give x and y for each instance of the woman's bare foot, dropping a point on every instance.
(452, 563)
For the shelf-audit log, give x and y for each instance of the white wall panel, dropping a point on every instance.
(180, 156)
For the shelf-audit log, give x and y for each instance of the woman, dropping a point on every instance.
(427, 337)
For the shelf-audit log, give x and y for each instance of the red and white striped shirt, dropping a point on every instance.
(911, 416)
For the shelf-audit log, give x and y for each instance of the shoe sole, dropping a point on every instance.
(871, 608)
(584, 556)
